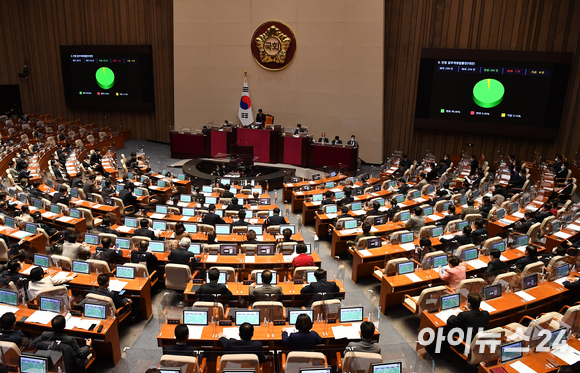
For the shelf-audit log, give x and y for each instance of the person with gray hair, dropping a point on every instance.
(182, 255)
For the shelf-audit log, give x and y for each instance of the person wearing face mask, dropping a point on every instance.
(352, 142)
(557, 163)
(563, 172)
(445, 163)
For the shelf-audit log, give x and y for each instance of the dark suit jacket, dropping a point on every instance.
(117, 299)
(524, 226)
(261, 118)
(460, 238)
(207, 291)
(474, 164)
(275, 220)
(107, 255)
(336, 142)
(14, 335)
(302, 341)
(484, 210)
(145, 233)
(323, 139)
(240, 223)
(59, 198)
(63, 338)
(212, 219)
(351, 142)
(235, 207)
(495, 267)
(227, 194)
(523, 262)
(128, 198)
(181, 350)
(149, 258)
(241, 346)
(107, 192)
(561, 174)
(181, 256)
(474, 319)
(517, 181)
(330, 288)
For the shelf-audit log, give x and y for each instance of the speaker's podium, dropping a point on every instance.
(242, 155)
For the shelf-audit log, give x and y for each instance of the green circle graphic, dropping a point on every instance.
(105, 77)
(488, 93)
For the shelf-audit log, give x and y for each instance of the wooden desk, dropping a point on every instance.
(288, 188)
(241, 293)
(37, 241)
(508, 308)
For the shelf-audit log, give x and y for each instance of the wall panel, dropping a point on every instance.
(33, 31)
(529, 25)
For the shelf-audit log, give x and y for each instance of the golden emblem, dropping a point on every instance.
(273, 45)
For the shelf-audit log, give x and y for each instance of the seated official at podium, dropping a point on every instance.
(336, 141)
(298, 129)
(323, 138)
(260, 119)
(352, 142)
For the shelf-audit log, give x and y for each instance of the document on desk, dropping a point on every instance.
(195, 331)
(42, 317)
(182, 204)
(477, 263)
(116, 285)
(184, 218)
(331, 216)
(434, 217)
(413, 277)
(250, 259)
(561, 280)
(359, 212)
(486, 307)
(5, 309)
(521, 248)
(574, 227)
(316, 203)
(447, 236)
(27, 270)
(562, 235)
(349, 231)
(506, 221)
(48, 215)
(78, 322)
(211, 258)
(525, 296)
(365, 252)
(569, 354)
(374, 229)
(299, 193)
(348, 332)
(531, 207)
(21, 234)
(407, 246)
(60, 276)
(65, 219)
(97, 206)
(124, 229)
(157, 216)
(232, 333)
(445, 315)
(521, 367)
(518, 215)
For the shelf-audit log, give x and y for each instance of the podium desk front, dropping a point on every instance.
(294, 150)
(186, 145)
(334, 156)
(264, 142)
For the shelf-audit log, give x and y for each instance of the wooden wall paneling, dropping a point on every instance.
(71, 22)
(535, 25)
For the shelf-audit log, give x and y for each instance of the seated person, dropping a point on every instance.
(181, 255)
(531, 257)
(251, 238)
(61, 196)
(287, 235)
(462, 239)
(390, 214)
(211, 217)
(103, 282)
(343, 215)
(209, 291)
(451, 215)
(72, 249)
(470, 209)
(180, 348)
(417, 221)
(180, 231)
(454, 274)
(37, 281)
(367, 331)
(244, 345)
(104, 252)
(337, 140)
(58, 334)
(485, 207)
(9, 334)
(25, 214)
(241, 222)
(144, 231)
(305, 339)
(302, 259)
(266, 292)
(234, 205)
(12, 272)
(142, 255)
(495, 265)
(471, 321)
(105, 226)
(275, 219)
(366, 232)
(321, 285)
(327, 199)
(375, 210)
(524, 226)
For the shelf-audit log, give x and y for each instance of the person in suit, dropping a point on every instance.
(144, 231)
(23, 174)
(462, 239)
(245, 344)
(485, 207)
(61, 196)
(375, 210)
(495, 265)
(126, 195)
(8, 333)
(544, 212)
(209, 291)
(557, 163)
(25, 214)
(417, 221)
(108, 189)
(445, 163)
(234, 205)
(404, 164)
(347, 199)
(477, 180)
(251, 238)
(225, 124)
(471, 321)
(103, 282)
(433, 172)
(480, 229)
(241, 222)
(211, 217)
(343, 214)
(275, 219)
(72, 249)
(518, 180)
(266, 292)
(524, 226)
(12, 271)
(451, 215)
(563, 193)
(323, 138)
(57, 334)
(260, 118)
(180, 348)
(352, 142)
(305, 339)
(302, 259)
(105, 226)
(336, 141)
(563, 171)
(390, 214)
(531, 257)
(104, 252)
(470, 209)
(474, 165)
(328, 199)
(367, 332)
(298, 130)
(35, 192)
(96, 156)
(226, 193)
(454, 274)
(181, 255)
(142, 255)
(330, 289)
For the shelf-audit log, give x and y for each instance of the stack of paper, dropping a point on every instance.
(65, 219)
(60, 276)
(518, 215)
(124, 229)
(574, 227)
(374, 229)
(250, 259)
(525, 296)
(569, 354)
(27, 270)
(562, 235)
(182, 204)
(365, 252)
(447, 236)
(521, 367)
(4, 309)
(42, 317)
(434, 217)
(116, 285)
(49, 215)
(231, 333)
(413, 277)
(211, 259)
(97, 206)
(78, 322)
(445, 315)
(477, 263)
(349, 231)
(195, 331)
(348, 332)
(408, 246)
(184, 218)
(331, 216)
(157, 216)
(21, 234)
(561, 280)
(506, 221)
(486, 307)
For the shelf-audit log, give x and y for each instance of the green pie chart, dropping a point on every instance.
(488, 93)
(105, 77)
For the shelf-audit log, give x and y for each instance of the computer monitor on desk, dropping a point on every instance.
(9, 297)
(265, 249)
(95, 311)
(450, 301)
(293, 315)
(392, 367)
(351, 314)
(492, 291)
(222, 229)
(221, 280)
(372, 243)
(195, 317)
(41, 260)
(530, 281)
(511, 351)
(406, 267)
(226, 249)
(251, 317)
(33, 364)
(159, 225)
